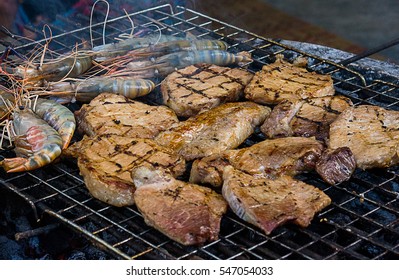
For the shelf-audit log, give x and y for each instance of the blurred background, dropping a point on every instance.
(349, 25)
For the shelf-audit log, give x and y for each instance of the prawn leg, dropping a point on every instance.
(36, 142)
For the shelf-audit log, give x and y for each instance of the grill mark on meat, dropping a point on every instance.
(201, 87)
(311, 117)
(370, 132)
(213, 131)
(290, 82)
(106, 161)
(115, 114)
(268, 159)
(187, 213)
(267, 203)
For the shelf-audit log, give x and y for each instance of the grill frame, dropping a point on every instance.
(361, 223)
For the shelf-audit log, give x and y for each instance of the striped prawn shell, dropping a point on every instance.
(36, 142)
(217, 57)
(132, 88)
(57, 116)
(188, 45)
(54, 70)
(126, 86)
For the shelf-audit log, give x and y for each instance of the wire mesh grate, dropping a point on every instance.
(361, 223)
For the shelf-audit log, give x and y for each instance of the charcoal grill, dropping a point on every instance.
(361, 223)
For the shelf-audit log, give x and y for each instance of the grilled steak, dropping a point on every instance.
(372, 134)
(282, 80)
(336, 166)
(116, 114)
(269, 159)
(311, 117)
(106, 162)
(268, 203)
(213, 131)
(187, 213)
(196, 88)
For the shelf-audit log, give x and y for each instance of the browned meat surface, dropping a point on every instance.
(336, 166)
(197, 88)
(268, 203)
(116, 114)
(372, 134)
(282, 80)
(213, 131)
(106, 162)
(311, 117)
(269, 158)
(187, 213)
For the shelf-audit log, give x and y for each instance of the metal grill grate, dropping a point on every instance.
(361, 223)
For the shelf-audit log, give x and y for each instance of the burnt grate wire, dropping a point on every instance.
(361, 223)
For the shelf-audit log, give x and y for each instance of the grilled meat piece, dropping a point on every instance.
(116, 114)
(270, 158)
(213, 131)
(187, 213)
(336, 166)
(282, 80)
(306, 118)
(268, 203)
(106, 162)
(372, 134)
(201, 87)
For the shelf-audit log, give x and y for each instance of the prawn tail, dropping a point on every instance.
(66, 132)
(40, 159)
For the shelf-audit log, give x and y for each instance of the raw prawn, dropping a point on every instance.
(55, 70)
(86, 90)
(178, 46)
(36, 142)
(122, 47)
(166, 64)
(57, 116)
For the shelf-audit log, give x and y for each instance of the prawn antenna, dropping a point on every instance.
(48, 40)
(91, 21)
(125, 35)
(159, 31)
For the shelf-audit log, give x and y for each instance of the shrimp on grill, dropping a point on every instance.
(36, 142)
(57, 116)
(86, 90)
(122, 47)
(171, 47)
(54, 70)
(164, 65)
(152, 52)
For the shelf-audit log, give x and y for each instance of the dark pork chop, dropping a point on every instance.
(270, 158)
(106, 162)
(115, 114)
(201, 87)
(268, 203)
(282, 80)
(187, 213)
(213, 131)
(306, 118)
(371, 133)
(336, 166)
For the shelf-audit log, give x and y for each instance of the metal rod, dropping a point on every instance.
(369, 52)
(35, 232)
